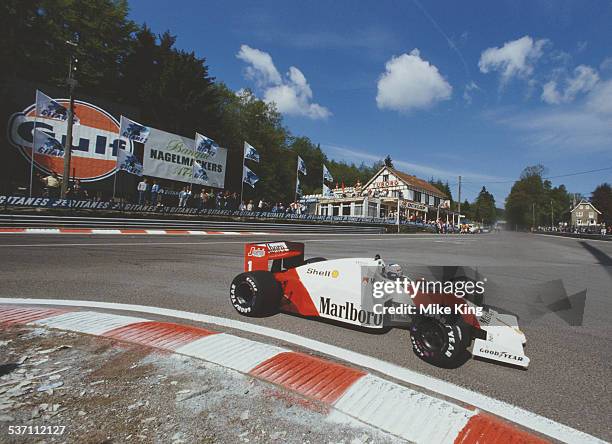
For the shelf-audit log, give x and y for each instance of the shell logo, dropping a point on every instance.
(94, 141)
(335, 274)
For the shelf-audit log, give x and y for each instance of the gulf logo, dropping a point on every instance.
(94, 142)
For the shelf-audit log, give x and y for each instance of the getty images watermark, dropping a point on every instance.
(404, 296)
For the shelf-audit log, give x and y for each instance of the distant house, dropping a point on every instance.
(585, 214)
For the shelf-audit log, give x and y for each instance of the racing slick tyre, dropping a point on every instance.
(439, 342)
(255, 293)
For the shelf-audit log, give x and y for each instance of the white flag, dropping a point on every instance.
(301, 166)
(47, 145)
(327, 192)
(198, 172)
(49, 108)
(132, 130)
(128, 162)
(249, 177)
(327, 175)
(205, 145)
(250, 152)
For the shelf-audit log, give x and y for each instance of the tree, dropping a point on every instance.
(601, 197)
(533, 201)
(388, 161)
(484, 208)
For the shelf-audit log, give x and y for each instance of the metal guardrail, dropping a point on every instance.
(593, 236)
(11, 220)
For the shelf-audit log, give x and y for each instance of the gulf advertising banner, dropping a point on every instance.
(171, 156)
(95, 140)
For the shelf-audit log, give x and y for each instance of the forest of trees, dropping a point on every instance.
(131, 64)
(533, 201)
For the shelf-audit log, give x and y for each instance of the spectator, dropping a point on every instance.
(76, 191)
(53, 184)
(142, 191)
(250, 206)
(203, 199)
(242, 206)
(154, 191)
(184, 197)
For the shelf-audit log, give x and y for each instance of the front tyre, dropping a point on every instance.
(255, 294)
(440, 343)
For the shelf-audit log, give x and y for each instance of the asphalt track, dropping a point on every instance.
(570, 371)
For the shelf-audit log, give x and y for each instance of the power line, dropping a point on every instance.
(547, 177)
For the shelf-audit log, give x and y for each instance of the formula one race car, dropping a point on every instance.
(442, 326)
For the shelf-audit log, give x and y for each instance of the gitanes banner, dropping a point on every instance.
(171, 156)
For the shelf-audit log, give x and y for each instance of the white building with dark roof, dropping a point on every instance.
(383, 193)
(585, 214)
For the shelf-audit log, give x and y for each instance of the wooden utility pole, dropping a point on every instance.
(459, 203)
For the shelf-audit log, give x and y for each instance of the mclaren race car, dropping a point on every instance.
(366, 293)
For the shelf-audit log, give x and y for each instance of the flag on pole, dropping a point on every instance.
(301, 166)
(132, 130)
(205, 145)
(327, 175)
(250, 152)
(249, 177)
(298, 189)
(327, 192)
(47, 107)
(127, 161)
(47, 145)
(198, 172)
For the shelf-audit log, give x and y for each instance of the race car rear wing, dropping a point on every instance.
(288, 254)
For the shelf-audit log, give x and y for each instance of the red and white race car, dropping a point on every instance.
(442, 326)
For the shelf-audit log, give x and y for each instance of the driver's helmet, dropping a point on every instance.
(393, 271)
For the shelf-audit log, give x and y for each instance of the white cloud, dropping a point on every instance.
(350, 154)
(467, 92)
(584, 80)
(409, 82)
(574, 129)
(291, 95)
(515, 58)
(600, 99)
(606, 65)
(261, 68)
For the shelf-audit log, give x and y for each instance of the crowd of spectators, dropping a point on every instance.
(151, 193)
(588, 229)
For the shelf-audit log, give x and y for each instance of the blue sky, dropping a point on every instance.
(480, 89)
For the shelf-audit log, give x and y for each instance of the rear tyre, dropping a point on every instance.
(440, 343)
(255, 294)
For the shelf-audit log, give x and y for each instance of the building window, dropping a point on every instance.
(417, 196)
(591, 214)
(385, 178)
(346, 210)
(358, 209)
(372, 210)
(336, 210)
(436, 202)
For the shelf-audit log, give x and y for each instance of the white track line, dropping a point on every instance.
(502, 409)
(242, 241)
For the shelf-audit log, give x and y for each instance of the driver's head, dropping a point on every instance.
(393, 271)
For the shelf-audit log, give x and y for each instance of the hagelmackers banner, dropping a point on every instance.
(170, 156)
